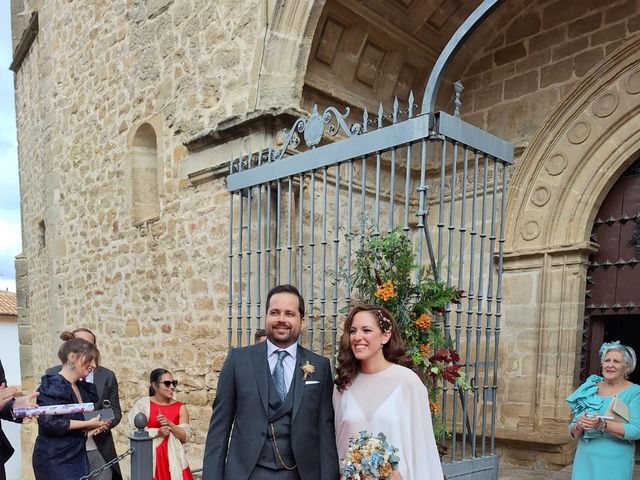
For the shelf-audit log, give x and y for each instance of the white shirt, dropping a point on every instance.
(91, 443)
(289, 362)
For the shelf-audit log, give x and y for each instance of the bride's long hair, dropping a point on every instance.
(394, 350)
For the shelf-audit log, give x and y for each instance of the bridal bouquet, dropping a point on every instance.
(369, 456)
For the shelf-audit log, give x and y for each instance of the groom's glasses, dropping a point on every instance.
(168, 383)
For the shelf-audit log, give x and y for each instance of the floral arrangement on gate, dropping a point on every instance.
(386, 273)
(369, 456)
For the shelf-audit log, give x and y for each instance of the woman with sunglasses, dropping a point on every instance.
(168, 424)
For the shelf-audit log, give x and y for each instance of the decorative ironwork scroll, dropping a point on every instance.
(313, 128)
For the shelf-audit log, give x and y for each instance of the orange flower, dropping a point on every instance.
(434, 406)
(356, 456)
(423, 322)
(425, 349)
(385, 291)
(385, 470)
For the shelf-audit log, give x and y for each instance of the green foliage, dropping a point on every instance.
(390, 257)
(386, 273)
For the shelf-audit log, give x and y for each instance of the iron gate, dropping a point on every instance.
(298, 217)
(299, 211)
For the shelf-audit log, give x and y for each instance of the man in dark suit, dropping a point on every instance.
(7, 402)
(107, 386)
(276, 396)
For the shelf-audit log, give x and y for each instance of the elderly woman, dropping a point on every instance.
(606, 448)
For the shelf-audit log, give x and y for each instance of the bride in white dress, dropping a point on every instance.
(374, 392)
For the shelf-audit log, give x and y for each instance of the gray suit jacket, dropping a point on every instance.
(242, 404)
(107, 386)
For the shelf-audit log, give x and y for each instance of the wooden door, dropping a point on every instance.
(612, 306)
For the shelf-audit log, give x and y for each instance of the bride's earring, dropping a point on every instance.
(71, 364)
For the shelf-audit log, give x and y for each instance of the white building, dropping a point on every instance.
(11, 362)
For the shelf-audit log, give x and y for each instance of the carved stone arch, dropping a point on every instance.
(281, 65)
(576, 156)
(557, 187)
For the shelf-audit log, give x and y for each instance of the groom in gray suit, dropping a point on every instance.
(276, 396)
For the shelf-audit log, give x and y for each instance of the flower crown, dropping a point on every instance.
(614, 346)
(383, 320)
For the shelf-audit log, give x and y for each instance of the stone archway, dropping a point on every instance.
(576, 156)
(280, 67)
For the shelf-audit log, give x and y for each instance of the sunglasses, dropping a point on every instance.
(168, 383)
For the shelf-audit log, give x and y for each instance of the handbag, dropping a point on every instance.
(106, 412)
(619, 411)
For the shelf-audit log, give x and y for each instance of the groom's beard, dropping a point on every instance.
(282, 334)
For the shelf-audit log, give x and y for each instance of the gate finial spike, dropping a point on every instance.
(365, 119)
(380, 115)
(411, 100)
(395, 109)
(457, 102)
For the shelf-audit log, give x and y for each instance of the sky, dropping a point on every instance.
(10, 239)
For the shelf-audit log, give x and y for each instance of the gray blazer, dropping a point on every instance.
(107, 386)
(242, 404)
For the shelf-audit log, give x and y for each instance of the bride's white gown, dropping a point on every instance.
(394, 402)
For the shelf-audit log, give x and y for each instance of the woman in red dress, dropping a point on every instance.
(168, 423)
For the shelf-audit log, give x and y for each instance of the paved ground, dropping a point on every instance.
(509, 472)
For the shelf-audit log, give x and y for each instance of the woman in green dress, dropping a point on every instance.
(606, 447)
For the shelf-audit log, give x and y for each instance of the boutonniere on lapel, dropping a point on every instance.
(308, 369)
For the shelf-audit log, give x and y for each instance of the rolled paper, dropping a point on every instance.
(22, 412)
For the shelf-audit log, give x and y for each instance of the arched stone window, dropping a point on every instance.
(144, 174)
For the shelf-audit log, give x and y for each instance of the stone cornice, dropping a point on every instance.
(516, 259)
(208, 174)
(238, 126)
(209, 153)
(28, 37)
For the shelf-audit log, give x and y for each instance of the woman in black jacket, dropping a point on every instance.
(60, 452)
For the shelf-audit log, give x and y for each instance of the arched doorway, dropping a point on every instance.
(577, 155)
(612, 304)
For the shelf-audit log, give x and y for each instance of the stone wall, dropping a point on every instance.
(153, 293)
(522, 70)
(217, 78)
